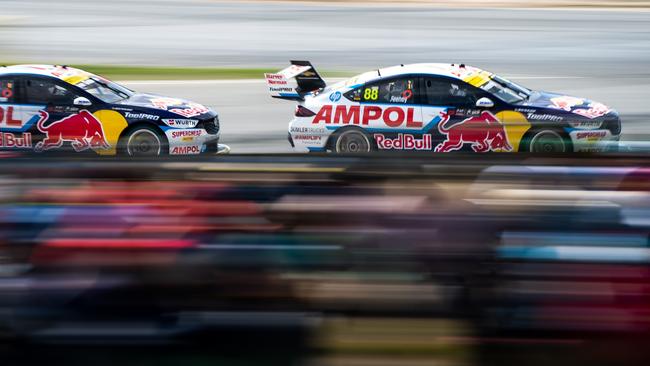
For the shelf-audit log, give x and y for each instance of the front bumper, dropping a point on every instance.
(601, 140)
(191, 141)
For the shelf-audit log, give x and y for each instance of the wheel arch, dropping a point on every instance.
(334, 135)
(138, 124)
(524, 145)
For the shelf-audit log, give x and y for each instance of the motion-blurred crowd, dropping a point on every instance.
(328, 261)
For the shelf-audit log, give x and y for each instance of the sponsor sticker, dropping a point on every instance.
(146, 116)
(314, 140)
(180, 123)
(566, 103)
(595, 110)
(165, 103)
(543, 117)
(316, 130)
(335, 97)
(403, 142)
(392, 117)
(591, 135)
(586, 125)
(185, 150)
(16, 141)
(185, 133)
(193, 110)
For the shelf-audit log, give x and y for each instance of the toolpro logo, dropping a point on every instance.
(485, 132)
(362, 116)
(82, 130)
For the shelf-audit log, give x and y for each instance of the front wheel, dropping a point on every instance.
(142, 142)
(547, 141)
(352, 141)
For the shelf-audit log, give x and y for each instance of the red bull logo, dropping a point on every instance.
(566, 103)
(82, 130)
(485, 132)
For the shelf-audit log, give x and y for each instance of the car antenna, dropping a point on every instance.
(402, 65)
(379, 72)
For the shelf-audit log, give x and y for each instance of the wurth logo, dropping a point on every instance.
(362, 116)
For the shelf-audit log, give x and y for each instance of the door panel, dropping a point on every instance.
(15, 119)
(392, 113)
(461, 126)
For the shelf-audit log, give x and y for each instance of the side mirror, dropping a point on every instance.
(82, 102)
(485, 103)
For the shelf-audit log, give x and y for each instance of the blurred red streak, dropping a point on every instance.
(120, 243)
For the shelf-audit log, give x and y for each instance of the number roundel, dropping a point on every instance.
(371, 93)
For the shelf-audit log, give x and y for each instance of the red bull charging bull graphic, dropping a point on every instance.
(485, 132)
(82, 130)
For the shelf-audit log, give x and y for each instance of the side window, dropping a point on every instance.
(43, 91)
(450, 93)
(7, 90)
(395, 91)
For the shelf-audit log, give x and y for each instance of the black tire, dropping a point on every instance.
(351, 141)
(143, 141)
(547, 140)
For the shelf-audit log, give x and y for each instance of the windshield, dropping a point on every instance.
(105, 90)
(506, 90)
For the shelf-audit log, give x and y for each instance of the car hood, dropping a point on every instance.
(569, 104)
(180, 107)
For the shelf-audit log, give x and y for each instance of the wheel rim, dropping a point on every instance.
(547, 142)
(352, 142)
(143, 143)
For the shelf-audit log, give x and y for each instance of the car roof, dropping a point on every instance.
(65, 73)
(469, 74)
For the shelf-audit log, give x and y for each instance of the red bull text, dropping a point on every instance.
(403, 142)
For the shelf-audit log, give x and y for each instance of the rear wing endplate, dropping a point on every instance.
(294, 82)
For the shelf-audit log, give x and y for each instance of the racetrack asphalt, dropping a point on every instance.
(599, 54)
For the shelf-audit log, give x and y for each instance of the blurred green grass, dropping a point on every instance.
(182, 73)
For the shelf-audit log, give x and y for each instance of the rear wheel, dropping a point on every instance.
(144, 141)
(547, 141)
(352, 141)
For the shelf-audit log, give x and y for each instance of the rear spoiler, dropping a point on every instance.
(294, 82)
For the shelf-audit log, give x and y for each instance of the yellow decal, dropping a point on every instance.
(113, 123)
(75, 79)
(516, 126)
(478, 79)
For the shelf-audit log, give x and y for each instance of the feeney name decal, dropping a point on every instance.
(9, 140)
(403, 142)
(356, 115)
